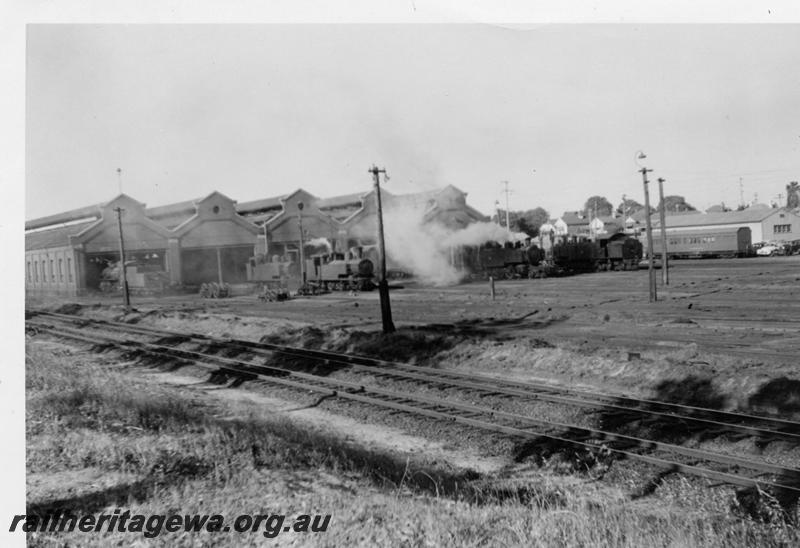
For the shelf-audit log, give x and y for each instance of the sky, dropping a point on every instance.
(558, 111)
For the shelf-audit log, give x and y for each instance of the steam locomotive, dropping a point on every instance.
(354, 270)
(616, 252)
(569, 256)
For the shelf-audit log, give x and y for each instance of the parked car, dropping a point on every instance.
(645, 263)
(769, 250)
(793, 247)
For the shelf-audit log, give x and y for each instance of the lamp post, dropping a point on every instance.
(651, 273)
(662, 218)
(302, 252)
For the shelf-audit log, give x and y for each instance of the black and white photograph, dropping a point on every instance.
(455, 282)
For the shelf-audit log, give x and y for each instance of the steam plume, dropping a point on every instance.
(320, 242)
(424, 248)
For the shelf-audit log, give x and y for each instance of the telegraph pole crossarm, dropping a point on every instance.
(383, 284)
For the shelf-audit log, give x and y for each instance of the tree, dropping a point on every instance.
(675, 203)
(528, 221)
(793, 195)
(598, 205)
(531, 221)
(720, 208)
(628, 207)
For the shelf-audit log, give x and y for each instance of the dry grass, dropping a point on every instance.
(192, 457)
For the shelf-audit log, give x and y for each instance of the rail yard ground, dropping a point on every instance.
(107, 429)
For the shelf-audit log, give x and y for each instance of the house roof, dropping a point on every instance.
(574, 218)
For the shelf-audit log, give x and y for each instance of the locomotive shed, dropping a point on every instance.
(724, 335)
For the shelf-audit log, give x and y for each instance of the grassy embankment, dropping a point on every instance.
(99, 439)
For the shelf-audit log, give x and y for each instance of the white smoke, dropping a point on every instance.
(425, 248)
(320, 242)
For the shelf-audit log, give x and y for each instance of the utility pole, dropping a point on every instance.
(125, 293)
(662, 218)
(650, 271)
(302, 251)
(383, 285)
(508, 218)
(741, 193)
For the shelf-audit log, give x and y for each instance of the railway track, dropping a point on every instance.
(767, 429)
(716, 466)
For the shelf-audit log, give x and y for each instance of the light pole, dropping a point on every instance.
(662, 217)
(383, 285)
(508, 212)
(651, 273)
(302, 252)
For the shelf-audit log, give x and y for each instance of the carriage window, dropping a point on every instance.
(69, 269)
(52, 271)
(61, 270)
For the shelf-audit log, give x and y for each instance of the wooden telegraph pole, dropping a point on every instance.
(383, 285)
(662, 217)
(125, 293)
(650, 270)
(508, 213)
(302, 256)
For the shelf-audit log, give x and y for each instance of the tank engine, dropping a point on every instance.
(617, 252)
(508, 261)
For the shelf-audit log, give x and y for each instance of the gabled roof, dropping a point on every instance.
(351, 200)
(253, 206)
(177, 208)
(720, 218)
(574, 218)
(54, 237)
